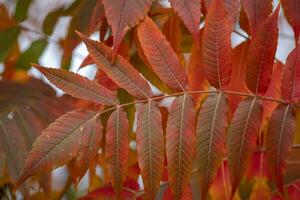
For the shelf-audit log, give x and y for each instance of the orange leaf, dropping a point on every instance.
(189, 12)
(180, 143)
(150, 147)
(117, 148)
(279, 141)
(161, 56)
(261, 55)
(243, 132)
(121, 72)
(211, 129)
(216, 46)
(123, 15)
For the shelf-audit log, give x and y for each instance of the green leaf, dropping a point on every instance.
(51, 20)
(7, 40)
(32, 54)
(22, 10)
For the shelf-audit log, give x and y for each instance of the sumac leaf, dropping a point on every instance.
(123, 15)
(161, 56)
(243, 132)
(279, 141)
(59, 142)
(216, 46)
(291, 10)
(189, 12)
(211, 137)
(150, 147)
(291, 77)
(261, 55)
(121, 72)
(117, 148)
(78, 86)
(180, 143)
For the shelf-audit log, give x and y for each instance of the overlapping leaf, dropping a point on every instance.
(180, 141)
(211, 129)
(189, 12)
(257, 11)
(243, 132)
(216, 46)
(150, 147)
(59, 142)
(121, 72)
(279, 141)
(291, 10)
(291, 77)
(261, 55)
(117, 148)
(123, 15)
(161, 56)
(79, 86)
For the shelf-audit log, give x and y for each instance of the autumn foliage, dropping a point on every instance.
(174, 112)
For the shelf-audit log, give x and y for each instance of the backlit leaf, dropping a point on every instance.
(78, 86)
(261, 55)
(189, 12)
(291, 77)
(243, 132)
(211, 129)
(123, 15)
(59, 142)
(279, 141)
(216, 46)
(150, 147)
(117, 148)
(180, 143)
(121, 72)
(257, 11)
(161, 56)
(291, 10)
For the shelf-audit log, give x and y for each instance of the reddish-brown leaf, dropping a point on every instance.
(291, 10)
(243, 132)
(274, 91)
(150, 147)
(161, 56)
(123, 15)
(279, 141)
(121, 72)
(291, 77)
(261, 55)
(231, 7)
(237, 81)
(216, 46)
(180, 143)
(189, 11)
(211, 129)
(59, 142)
(79, 86)
(257, 11)
(117, 148)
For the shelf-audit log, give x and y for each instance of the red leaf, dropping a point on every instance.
(291, 77)
(291, 10)
(279, 141)
(189, 11)
(60, 142)
(243, 132)
(123, 15)
(161, 56)
(180, 143)
(121, 72)
(211, 130)
(117, 148)
(79, 86)
(216, 46)
(257, 12)
(261, 55)
(150, 147)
